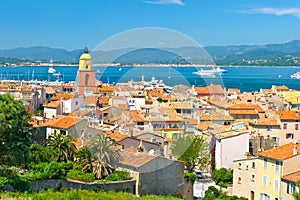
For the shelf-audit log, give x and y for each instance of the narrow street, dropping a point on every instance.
(201, 185)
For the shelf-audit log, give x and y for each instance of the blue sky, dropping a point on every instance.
(73, 24)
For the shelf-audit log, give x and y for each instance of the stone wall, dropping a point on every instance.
(128, 185)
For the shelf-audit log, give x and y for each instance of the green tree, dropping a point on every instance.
(192, 151)
(85, 158)
(296, 194)
(39, 154)
(105, 154)
(64, 146)
(222, 176)
(15, 137)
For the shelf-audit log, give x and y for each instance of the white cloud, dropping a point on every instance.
(166, 2)
(274, 11)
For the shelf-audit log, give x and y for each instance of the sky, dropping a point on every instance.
(74, 24)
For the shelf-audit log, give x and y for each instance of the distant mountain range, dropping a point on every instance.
(286, 54)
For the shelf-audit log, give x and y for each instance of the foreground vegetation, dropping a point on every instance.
(80, 194)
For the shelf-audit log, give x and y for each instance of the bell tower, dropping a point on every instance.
(85, 75)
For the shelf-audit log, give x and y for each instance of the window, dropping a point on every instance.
(87, 77)
(76, 103)
(244, 116)
(253, 165)
(264, 196)
(253, 178)
(236, 116)
(290, 188)
(240, 165)
(289, 136)
(265, 179)
(265, 163)
(277, 165)
(175, 136)
(296, 126)
(269, 128)
(285, 126)
(239, 180)
(276, 184)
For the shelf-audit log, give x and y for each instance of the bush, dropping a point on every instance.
(8, 172)
(67, 165)
(20, 184)
(54, 171)
(118, 176)
(222, 175)
(222, 184)
(42, 171)
(80, 176)
(190, 176)
(3, 181)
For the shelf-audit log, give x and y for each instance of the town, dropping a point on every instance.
(254, 134)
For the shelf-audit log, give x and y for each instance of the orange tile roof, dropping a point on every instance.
(79, 113)
(68, 86)
(64, 122)
(243, 106)
(204, 125)
(293, 177)
(236, 90)
(104, 100)
(288, 115)
(90, 100)
(62, 96)
(131, 158)
(242, 112)
(53, 104)
(281, 153)
(137, 116)
(265, 122)
(211, 89)
(214, 116)
(115, 135)
(105, 88)
(281, 88)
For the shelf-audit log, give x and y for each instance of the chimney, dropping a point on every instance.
(295, 152)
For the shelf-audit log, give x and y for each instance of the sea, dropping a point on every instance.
(243, 77)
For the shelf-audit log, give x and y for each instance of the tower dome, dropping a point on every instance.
(85, 60)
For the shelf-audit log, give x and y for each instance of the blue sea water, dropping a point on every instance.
(244, 78)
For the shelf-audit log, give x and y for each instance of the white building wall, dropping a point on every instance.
(231, 148)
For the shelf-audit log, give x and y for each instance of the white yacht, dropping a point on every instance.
(51, 70)
(210, 72)
(295, 75)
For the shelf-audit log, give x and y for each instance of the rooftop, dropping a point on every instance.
(281, 153)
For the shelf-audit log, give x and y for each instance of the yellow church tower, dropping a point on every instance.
(85, 75)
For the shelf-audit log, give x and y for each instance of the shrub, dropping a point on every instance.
(222, 184)
(80, 176)
(222, 175)
(20, 184)
(54, 170)
(190, 176)
(8, 172)
(67, 165)
(118, 176)
(3, 181)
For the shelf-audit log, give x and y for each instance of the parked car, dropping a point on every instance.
(198, 174)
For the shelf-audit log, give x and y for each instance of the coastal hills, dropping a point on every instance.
(286, 54)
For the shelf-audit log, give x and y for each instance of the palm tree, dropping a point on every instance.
(64, 145)
(85, 158)
(105, 155)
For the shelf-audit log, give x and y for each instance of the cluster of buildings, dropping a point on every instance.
(254, 133)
